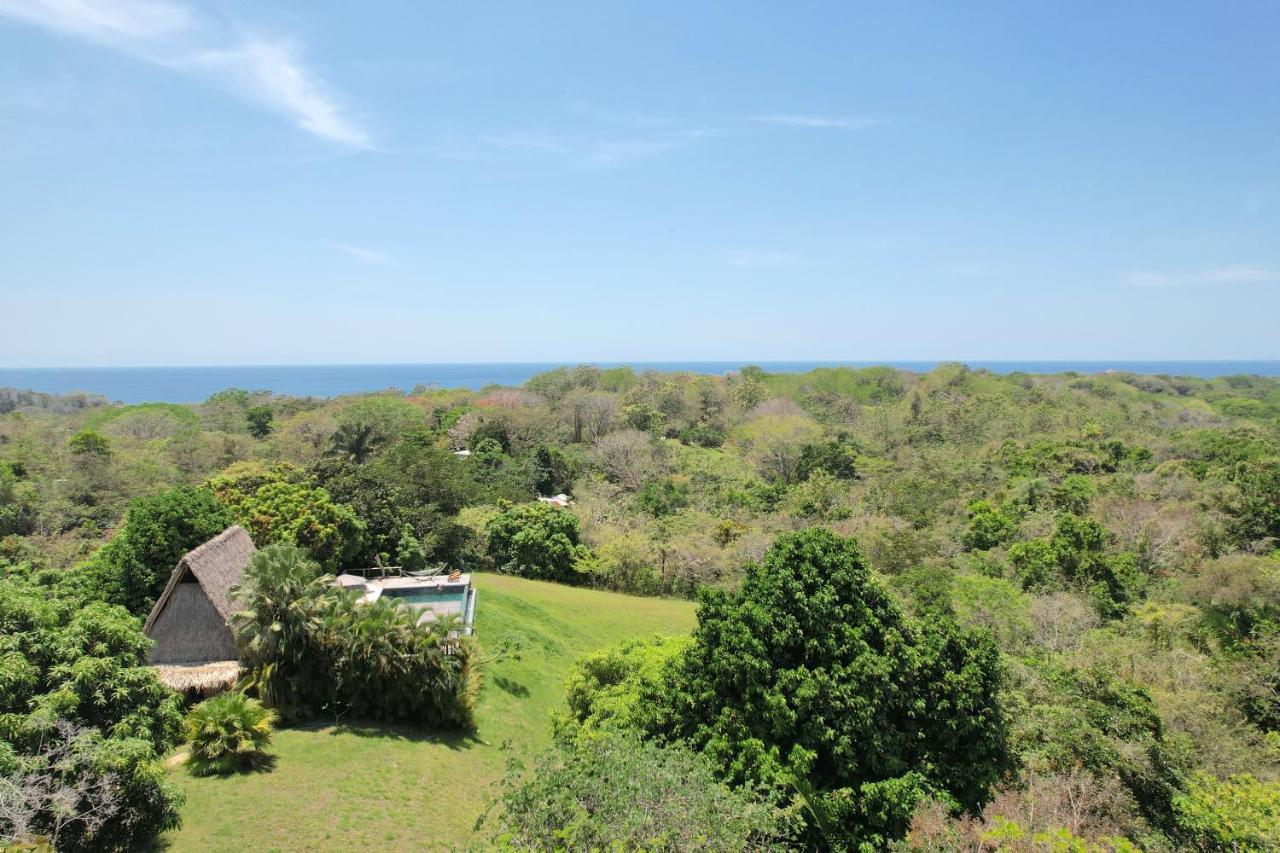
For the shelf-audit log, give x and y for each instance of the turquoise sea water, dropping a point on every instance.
(193, 384)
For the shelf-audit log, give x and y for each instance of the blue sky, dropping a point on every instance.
(320, 182)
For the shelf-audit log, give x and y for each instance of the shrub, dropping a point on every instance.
(227, 733)
(282, 594)
(1240, 813)
(617, 792)
(536, 540)
(1073, 494)
(1255, 510)
(702, 435)
(988, 527)
(664, 497)
(623, 687)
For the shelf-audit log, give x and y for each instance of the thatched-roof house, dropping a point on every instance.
(189, 621)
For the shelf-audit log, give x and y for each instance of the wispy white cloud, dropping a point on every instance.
(817, 121)
(756, 259)
(265, 70)
(368, 256)
(606, 139)
(1213, 276)
(582, 150)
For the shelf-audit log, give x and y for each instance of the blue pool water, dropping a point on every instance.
(428, 596)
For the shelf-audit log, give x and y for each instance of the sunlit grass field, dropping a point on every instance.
(353, 786)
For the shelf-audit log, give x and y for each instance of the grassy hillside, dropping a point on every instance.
(353, 787)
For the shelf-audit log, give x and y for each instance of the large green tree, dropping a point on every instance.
(278, 504)
(83, 722)
(812, 682)
(132, 569)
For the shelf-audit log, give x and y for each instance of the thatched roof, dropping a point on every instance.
(216, 565)
(205, 677)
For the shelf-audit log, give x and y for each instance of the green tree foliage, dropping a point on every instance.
(644, 417)
(836, 456)
(776, 442)
(617, 792)
(275, 508)
(1255, 510)
(355, 442)
(69, 671)
(226, 734)
(988, 527)
(536, 540)
(1239, 596)
(995, 604)
(552, 470)
(810, 681)
(661, 498)
(282, 600)
(623, 687)
(702, 435)
(417, 483)
(258, 419)
(88, 442)
(1091, 719)
(1238, 814)
(1034, 562)
(1073, 494)
(388, 417)
(18, 507)
(627, 563)
(822, 497)
(384, 665)
(1077, 557)
(134, 566)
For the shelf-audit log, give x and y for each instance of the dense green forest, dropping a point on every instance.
(953, 610)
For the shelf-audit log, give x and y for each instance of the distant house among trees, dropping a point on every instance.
(194, 647)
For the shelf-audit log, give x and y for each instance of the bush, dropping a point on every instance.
(536, 540)
(132, 569)
(623, 687)
(702, 435)
(617, 792)
(988, 527)
(227, 733)
(1094, 721)
(1240, 813)
(1255, 510)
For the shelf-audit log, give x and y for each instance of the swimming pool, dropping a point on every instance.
(456, 595)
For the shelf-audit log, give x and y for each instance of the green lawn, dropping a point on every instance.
(373, 787)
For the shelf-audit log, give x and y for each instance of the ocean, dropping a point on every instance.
(193, 384)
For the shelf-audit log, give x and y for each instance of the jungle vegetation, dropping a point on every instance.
(936, 610)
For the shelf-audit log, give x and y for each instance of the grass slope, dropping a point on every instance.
(372, 787)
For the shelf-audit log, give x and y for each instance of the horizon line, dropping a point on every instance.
(655, 361)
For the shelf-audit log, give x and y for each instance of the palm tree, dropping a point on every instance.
(284, 595)
(355, 442)
(227, 733)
